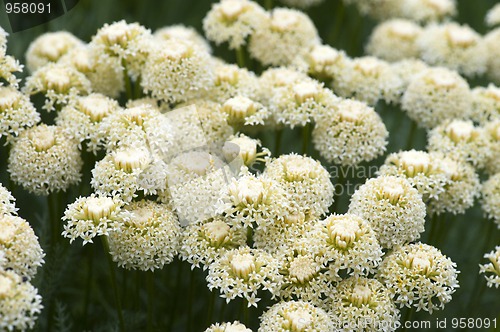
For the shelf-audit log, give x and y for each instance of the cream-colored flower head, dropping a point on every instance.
(105, 76)
(283, 232)
(349, 133)
(306, 182)
(437, 94)
(490, 200)
(275, 78)
(485, 103)
(295, 316)
(182, 32)
(91, 216)
(147, 102)
(20, 303)
(392, 207)
(422, 169)
(60, 84)
(289, 31)
(82, 119)
(394, 40)
(407, 69)
(419, 275)
(3, 41)
(493, 132)
(242, 273)
(18, 242)
(297, 104)
(7, 202)
(233, 21)
(460, 140)
(349, 243)
(148, 236)
(243, 111)
(303, 267)
(8, 66)
(212, 119)
(231, 81)
(16, 113)
(368, 79)
(50, 47)
(117, 174)
(461, 190)
(322, 61)
(228, 327)
(203, 243)
(360, 303)
(493, 16)
(243, 151)
(492, 41)
(254, 201)
(43, 160)
(196, 180)
(177, 71)
(126, 43)
(491, 270)
(454, 46)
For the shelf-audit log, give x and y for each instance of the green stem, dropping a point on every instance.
(339, 189)
(175, 297)
(433, 231)
(278, 137)
(137, 88)
(240, 57)
(408, 316)
(88, 283)
(114, 285)
(190, 300)
(150, 286)
(210, 311)
(339, 18)
(409, 140)
(305, 138)
(128, 83)
(246, 312)
(268, 4)
(54, 219)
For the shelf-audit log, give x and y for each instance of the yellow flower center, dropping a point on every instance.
(57, 79)
(420, 263)
(361, 295)
(7, 231)
(460, 131)
(142, 216)
(231, 9)
(216, 232)
(226, 74)
(96, 108)
(302, 269)
(42, 138)
(298, 171)
(244, 147)
(351, 112)
(404, 30)
(343, 231)
(414, 163)
(324, 55)
(297, 320)
(6, 285)
(442, 79)
(460, 36)
(247, 191)
(368, 66)
(8, 98)
(239, 107)
(97, 208)
(283, 21)
(130, 159)
(304, 91)
(392, 191)
(242, 265)
(177, 50)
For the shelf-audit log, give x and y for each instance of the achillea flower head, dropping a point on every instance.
(20, 303)
(295, 316)
(181, 32)
(233, 21)
(228, 327)
(7, 202)
(44, 160)
(304, 271)
(105, 76)
(492, 40)
(128, 44)
(460, 140)
(290, 31)
(117, 174)
(91, 216)
(50, 47)
(422, 169)
(455, 47)
(485, 104)
(493, 16)
(428, 10)
(368, 79)
(321, 61)
(177, 71)
(147, 238)
(349, 243)
(242, 273)
(297, 104)
(82, 119)
(435, 95)
(306, 182)
(20, 246)
(349, 133)
(243, 111)
(491, 270)
(60, 84)
(361, 303)
(231, 81)
(8, 66)
(16, 113)
(392, 207)
(490, 201)
(419, 275)
(493, 132)
(461, 190)
(254, 201)
(407, 69)
(203, 243)
(394, 40)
